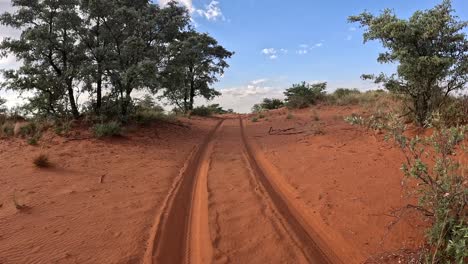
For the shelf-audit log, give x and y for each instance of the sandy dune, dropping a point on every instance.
(220, 190)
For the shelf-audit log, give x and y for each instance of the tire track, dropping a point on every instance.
(244, 225)
(314, 245)
(171, 239)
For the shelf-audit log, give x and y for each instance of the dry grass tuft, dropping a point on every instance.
(42, 161)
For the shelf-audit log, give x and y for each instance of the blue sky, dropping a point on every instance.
(278, 43)
(302, 41)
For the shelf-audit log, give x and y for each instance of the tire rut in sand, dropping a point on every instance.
(314, 247)
(244, 225)
(171, 240)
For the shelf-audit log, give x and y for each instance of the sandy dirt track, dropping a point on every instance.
(248, 221)
(215, 190)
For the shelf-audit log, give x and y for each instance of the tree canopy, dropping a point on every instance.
(431, 50)
(108, 49)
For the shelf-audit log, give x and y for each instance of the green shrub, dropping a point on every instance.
(107, 129)
(442, 190)
(255, 119)
(34, 139)
(28, 129)
(7, 129)
(271, 104)
(289, 116)
(202, 111)
(304, 94)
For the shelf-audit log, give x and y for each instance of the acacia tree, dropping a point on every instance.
(49, 51)
(431, 49)
(138, 33)
(195, 62)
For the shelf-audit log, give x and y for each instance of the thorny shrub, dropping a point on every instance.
(442, 184)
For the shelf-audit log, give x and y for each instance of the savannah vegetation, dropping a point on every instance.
(86, 60)
(429, 91)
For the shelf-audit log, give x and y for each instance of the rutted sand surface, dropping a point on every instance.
(349, 178)
(245, 227)
(75, 219)
(205, 193)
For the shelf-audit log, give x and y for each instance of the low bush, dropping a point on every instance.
(268, 104)
(442, 188)
(7, 129)
(202, 111)
(304, 94)
(145, 117)
(107, 129)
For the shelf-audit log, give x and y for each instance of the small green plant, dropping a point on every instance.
(107, 129)
(42, 161)
(289, 116)
(33, 141)
(62, 127)
(442, 189)
(261, 116)
(255, 119)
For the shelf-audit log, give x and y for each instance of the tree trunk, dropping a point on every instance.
(71, 97)
(192, 93)
(99, 90)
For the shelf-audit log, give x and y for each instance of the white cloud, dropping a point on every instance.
(349, 37)
(284, 51)
(304, 46)
(302, 52)
(187, 3)
(318, 45)
(259, 81)
(242, 98)
(272, 53)
(212, 11)
(269, 51)
(352, 29)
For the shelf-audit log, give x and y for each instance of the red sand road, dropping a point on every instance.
(211, 192)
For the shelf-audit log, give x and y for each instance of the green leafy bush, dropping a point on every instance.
(107, 129)
(202, 111)
(304, 94)
(442, 189)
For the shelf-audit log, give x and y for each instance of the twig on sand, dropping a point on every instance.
(101, 179)
(284, 131)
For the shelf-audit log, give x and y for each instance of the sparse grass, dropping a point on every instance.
(29, 129)
(33, 141)
(7, 130)
(42, 161)
(146, 117)
(107, 129)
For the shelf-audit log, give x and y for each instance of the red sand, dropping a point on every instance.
(170, 194)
